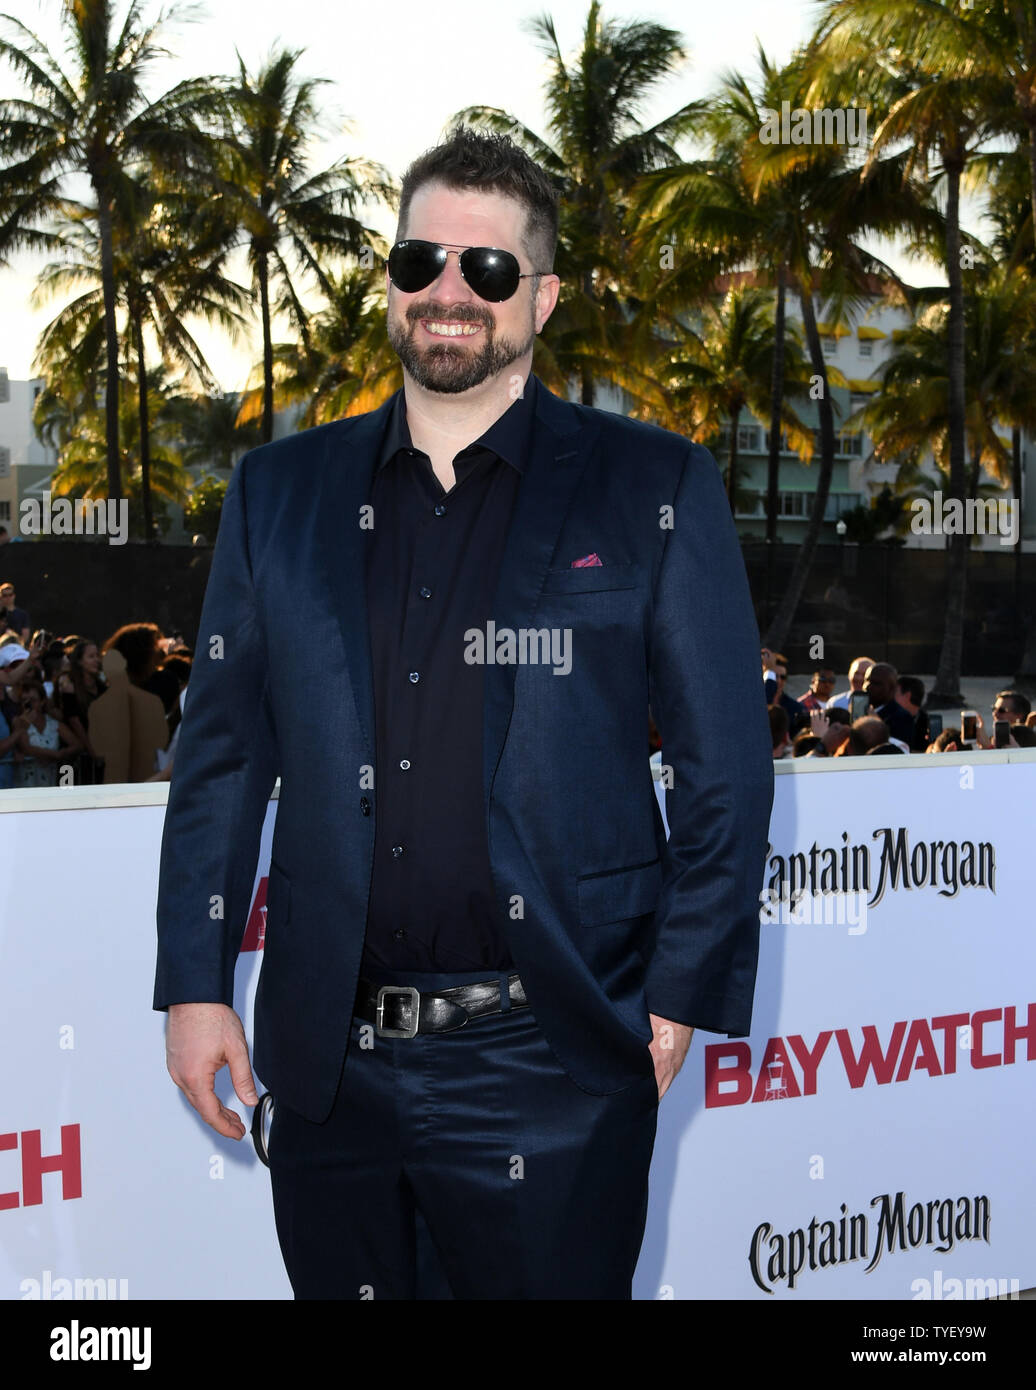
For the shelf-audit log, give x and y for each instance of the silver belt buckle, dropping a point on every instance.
(415, 1012)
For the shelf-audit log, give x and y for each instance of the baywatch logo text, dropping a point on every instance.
(797, 1066)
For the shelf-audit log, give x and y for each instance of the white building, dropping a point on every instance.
(25, 463)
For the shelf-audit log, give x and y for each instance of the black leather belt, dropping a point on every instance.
(401, 1011)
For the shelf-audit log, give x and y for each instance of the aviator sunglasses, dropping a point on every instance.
(493, 274)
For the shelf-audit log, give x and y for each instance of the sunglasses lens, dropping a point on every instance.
(492, 274)
(413, 265)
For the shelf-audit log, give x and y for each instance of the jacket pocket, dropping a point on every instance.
(592, 579)
(619, 894)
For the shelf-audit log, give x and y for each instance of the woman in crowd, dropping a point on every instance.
(44, 741)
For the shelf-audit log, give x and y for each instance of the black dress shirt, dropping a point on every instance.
(432, 568)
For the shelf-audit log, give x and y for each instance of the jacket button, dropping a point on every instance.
(365, 805)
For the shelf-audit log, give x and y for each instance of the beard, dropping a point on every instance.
(447, 367)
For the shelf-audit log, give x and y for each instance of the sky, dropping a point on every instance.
(397, 72)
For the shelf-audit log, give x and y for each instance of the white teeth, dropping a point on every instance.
(452, 330)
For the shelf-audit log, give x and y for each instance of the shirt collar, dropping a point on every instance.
(508, 437)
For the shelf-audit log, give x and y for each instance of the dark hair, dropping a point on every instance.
(881, 749)
(179, 665)
(914, 687)
(138, 644)
(805, 743)
(837, 715)
(1020, 703)
(82, 691)
(494, 164)
(942, 741)
(778, 724)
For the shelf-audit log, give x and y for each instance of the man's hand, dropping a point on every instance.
(200, 1039)
(668, 1048)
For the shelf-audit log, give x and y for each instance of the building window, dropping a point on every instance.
(866, 349)
(830, 346)
(5, 511)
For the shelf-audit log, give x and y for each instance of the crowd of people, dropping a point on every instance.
(881, 713)
(77, 712)
(74, 711)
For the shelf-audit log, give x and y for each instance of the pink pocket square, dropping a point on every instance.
(592, 559)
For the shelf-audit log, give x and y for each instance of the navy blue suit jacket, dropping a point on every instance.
(606, 920)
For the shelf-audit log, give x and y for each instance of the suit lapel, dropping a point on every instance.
(342, 553)
(558, 454)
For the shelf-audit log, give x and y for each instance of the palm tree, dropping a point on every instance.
(290, 219)
(81, 470)
(947, 119)
(911, 414)
(346, 366)
(93, 120)
(800, 212)
(209, 431)
(595, 149)
(168, 266)
(717, 373)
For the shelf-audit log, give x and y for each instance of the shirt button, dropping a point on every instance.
(399, 933)
(440, 509)
(415, 676)
(424, 591)
(404, 763)
(397, 851)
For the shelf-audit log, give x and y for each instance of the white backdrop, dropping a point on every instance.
(140, 1195)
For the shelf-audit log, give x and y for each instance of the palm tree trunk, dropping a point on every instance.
(947, 690)
(586, 376)
(145, 427)
(735, 416)
(773, 463)
(776, 404)
(264, 301)
(780, 623)
(111, 342)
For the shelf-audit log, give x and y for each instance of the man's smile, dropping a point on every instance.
(450, 328)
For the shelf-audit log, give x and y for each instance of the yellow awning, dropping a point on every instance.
(866, 333)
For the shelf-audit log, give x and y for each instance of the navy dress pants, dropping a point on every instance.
(463, 1165)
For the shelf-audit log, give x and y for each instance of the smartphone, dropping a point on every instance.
(859, 704)
(1001, 734)
(969, 725)
(934, 726)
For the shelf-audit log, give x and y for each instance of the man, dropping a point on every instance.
(820, 689)
(857, 675)
(865, 733)
(775, 679)
(15, 619)
(468, 855)
(909, 695)
(1009, 707)
(880, 685)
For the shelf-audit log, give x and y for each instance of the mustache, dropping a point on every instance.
(459, 313)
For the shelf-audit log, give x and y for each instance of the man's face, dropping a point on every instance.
(7, 597)
(823, 684)
(422, 327)
(858, 674)
(879, 686)
(1003, 713)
